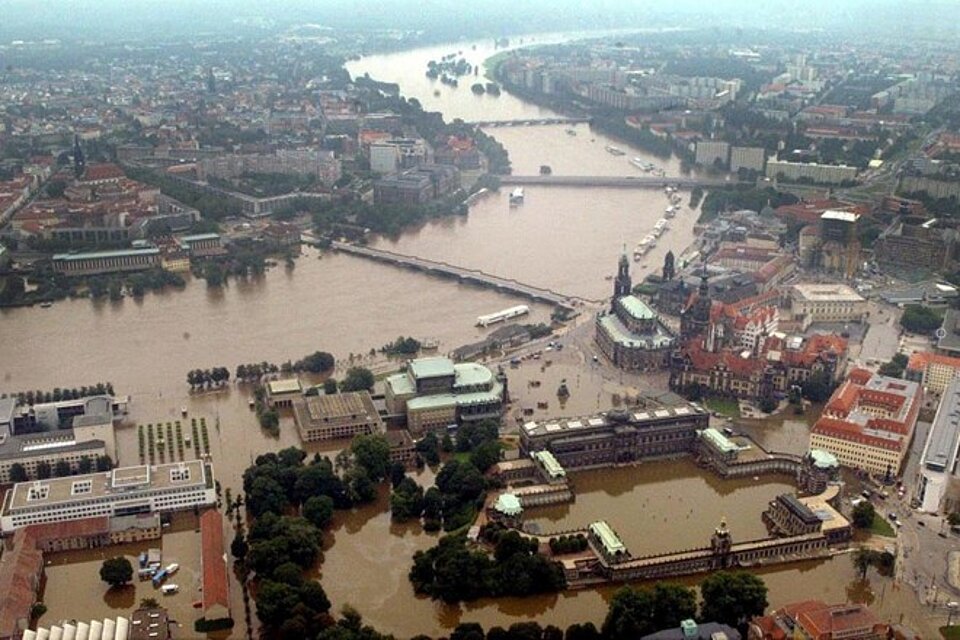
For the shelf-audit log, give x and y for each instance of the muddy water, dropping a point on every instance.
(561, 238)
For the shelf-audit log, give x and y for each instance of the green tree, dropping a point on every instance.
(818, 387)
(330, 386)
(863, 515)
(318, 511)
(43, 470)
(358, 379)
(116, 571)
(920, 319)
(239, 546)
(372, 453)
(895, 367)
(149, 603)
(104, 463)
(732, 597)
(85, 465)
(17, 473)
(61, 469)
(630, 615)
(862, 559)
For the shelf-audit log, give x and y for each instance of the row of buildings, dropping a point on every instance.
(95, 510)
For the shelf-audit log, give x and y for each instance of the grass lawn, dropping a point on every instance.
(725, 406)
(950, 633)
(881, 527)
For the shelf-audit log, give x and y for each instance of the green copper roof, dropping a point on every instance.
(637, 308)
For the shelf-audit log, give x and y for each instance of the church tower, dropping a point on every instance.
(79, 162)
(720, 545)
(695, 319)
(623, 286)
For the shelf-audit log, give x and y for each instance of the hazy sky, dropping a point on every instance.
(31, 19)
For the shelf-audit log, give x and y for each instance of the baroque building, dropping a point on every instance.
(631, 334)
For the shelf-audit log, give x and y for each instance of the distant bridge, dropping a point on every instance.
(639, 182)
(474, 276)
(529, 122)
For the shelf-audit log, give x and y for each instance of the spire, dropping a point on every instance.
(623, 286)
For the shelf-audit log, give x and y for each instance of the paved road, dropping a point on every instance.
(882, 339)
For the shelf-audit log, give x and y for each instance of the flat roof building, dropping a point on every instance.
(337, 415)
(123, 491)
(826, 303)
(434, 393)
(938, 464)
(616, 436)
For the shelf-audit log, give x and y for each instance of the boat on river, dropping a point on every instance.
(500, 316)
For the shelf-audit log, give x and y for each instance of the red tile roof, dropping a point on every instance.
(840, 621)
(216, 588)
(20, 570)
(42, 533)
(103, 171)
(920, 360)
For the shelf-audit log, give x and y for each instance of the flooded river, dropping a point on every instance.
(565, 239)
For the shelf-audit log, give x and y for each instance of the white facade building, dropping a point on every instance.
(123, 491)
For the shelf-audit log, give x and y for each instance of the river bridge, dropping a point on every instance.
(473, 276)
(636, 182)
(530, 122)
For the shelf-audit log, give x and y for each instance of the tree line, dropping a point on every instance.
(292, 502)
(452, 571)
(58, 394)
(61, 469)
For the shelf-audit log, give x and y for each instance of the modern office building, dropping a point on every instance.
(710, 152)
(123, 491)
(749, 158)
(938, 464)
(334, 416)
(37, 450)
(811, 171)
(616, 436)
(869, 421)
(434, 393)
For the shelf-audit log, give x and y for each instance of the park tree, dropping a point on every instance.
(357, 379)
(630, 615)
(732, 598)
(330, 386)
(863, 515)
(61, 469)
(318, 511)
(116, 571)
(372, 453)
(104, 463)
(43, 470)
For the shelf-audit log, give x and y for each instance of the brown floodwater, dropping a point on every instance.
(566, 239)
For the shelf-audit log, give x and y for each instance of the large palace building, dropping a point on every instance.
(631, 334)
(869, 422)
(617, 436)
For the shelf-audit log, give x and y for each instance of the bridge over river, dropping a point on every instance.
(529, 122)
(462, 274)
(638, 182)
